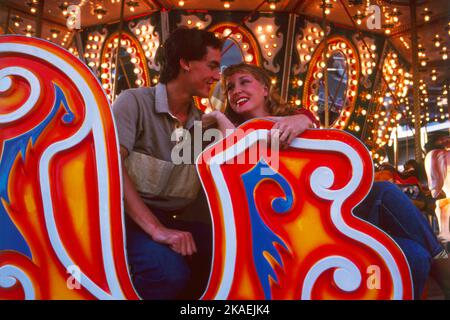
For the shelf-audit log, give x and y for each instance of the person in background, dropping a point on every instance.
(168, 257)
(250, 94)
(437, 166)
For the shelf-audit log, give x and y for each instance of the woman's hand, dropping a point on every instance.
(210, 118)
(288, 127)
(219, 118)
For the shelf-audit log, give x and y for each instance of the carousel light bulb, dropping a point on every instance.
(273, 6)
(298, 102)
(181, 3)
(226, 5)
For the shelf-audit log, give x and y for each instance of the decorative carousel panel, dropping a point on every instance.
(193, 21)
(283, 222)
(368, 55)
(61, 229)
(145, 32)
(307, 42)
(343, 66)
(269, 38)
(94, 43)
(132, 70)
(386, 110)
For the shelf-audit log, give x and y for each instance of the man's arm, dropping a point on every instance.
(181, 242)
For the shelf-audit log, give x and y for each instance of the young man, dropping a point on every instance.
(160, 247)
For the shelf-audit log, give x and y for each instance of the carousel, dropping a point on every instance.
(373, 73)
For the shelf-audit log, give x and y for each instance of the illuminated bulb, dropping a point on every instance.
(181, 3)
(298, 102)
(226, 5)
(299, 83)
(273, 6)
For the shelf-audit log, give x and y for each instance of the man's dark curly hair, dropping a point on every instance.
(184, 43)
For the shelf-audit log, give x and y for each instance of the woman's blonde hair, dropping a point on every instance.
(275, 106)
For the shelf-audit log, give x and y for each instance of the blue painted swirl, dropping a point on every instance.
(10, 236)
(263, 238)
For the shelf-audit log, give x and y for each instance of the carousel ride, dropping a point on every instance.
(349, 62)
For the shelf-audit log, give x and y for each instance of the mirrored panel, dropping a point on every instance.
(337, 88)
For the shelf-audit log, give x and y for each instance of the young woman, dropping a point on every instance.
(250, 94)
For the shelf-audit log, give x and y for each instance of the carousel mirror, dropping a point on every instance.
(231, 54)
(131, 70)
(127, 78)
(337, 88)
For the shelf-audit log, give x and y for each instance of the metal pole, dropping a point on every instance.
(165, 25)
(40, 13)
(116, 68)
(288, 57)
(325, 74)
(416, 96)
(79, 45)
(396, 148)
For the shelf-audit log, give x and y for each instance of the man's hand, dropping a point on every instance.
(181, 242)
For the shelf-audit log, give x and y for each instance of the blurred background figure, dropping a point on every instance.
(437, 166)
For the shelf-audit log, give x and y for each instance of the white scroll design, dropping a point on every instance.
(6, 83)
(10, 275)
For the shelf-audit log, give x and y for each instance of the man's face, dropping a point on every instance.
(204, 73)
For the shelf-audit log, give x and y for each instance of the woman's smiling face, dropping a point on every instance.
(246, 95)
